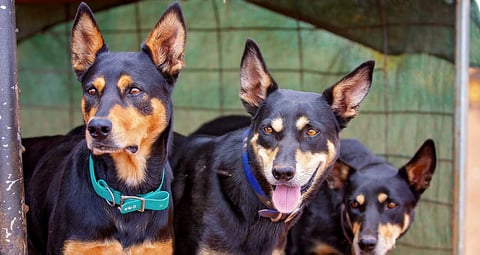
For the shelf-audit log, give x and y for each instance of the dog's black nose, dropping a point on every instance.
(367, 243)
(99, 128)
(283, 173)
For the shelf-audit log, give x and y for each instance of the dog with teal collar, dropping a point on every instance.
(107, 191)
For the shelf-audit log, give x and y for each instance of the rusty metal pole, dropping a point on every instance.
(12, 214)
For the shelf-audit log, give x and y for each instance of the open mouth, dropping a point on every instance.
(287, 199)
(98, 148)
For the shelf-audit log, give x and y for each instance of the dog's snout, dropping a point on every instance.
(367, 243)
(283, 173)
(99, 128)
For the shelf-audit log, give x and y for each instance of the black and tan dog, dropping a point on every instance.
(368, 205)
(109, 192)
(239, 193)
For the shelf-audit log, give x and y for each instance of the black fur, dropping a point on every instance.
(321, 229)
(64, 207)
(216, 209)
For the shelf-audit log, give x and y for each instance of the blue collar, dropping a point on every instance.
(271, 212)
(154, 200)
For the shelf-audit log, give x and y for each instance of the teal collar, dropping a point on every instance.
(154, 200)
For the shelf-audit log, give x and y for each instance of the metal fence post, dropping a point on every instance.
(462, 60)
(12, 213)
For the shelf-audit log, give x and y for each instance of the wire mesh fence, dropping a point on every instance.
(411, 100)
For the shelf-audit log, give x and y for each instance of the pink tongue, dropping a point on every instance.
(285, 198)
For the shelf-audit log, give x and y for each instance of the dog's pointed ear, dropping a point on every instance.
(87, 40)
(255, 80)
(166, 42)
(346, 95)
(339, 175)
(419, 170)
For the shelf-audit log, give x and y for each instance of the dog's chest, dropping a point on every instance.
(239, 236)
(114, 247)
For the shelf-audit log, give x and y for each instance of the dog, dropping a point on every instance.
(222, 125)
(109, 191)
(366, 207)
(34, 148)
(240, 193)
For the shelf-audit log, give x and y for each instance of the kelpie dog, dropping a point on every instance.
(109, 193)
(368, 205)
(240, 192)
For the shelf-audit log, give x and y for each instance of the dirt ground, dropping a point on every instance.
(472, 222)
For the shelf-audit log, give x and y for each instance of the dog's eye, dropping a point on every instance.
(92, 91)
(311, 132)
(391, 205)
(134, 91)
(354, 204)
(268, 130)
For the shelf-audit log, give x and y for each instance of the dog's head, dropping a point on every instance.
(126, 101)
(294, 136)
(380, 200)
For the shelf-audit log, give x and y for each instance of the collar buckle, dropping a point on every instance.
(132, 206)
(155, 200)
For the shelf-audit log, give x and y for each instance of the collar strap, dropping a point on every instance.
(155, 200)
(271, 212)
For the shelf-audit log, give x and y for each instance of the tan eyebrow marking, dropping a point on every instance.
(301, 122)
(277, 124)
(382, 197)
(99, 84)
(124, 82)
(360, 199)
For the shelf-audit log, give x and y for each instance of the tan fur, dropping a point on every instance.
(265, 157)
(131, 127)
(307, 164)
(355, 228)
(332, 152)
(382, 197)
(360, 199)
(124, 82)
(73, 247)
(324, 249)
(253, 75)
(340, 175)
(356, 231)
(277, 124)
(88, 115)
(86, 42)
(278, 251)
(347, 88)
(406, 222)
(416, 174)
(301, 122)
(329, 157)
(158, 40)
(387, 236)
(99, 84)
(152, 248)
